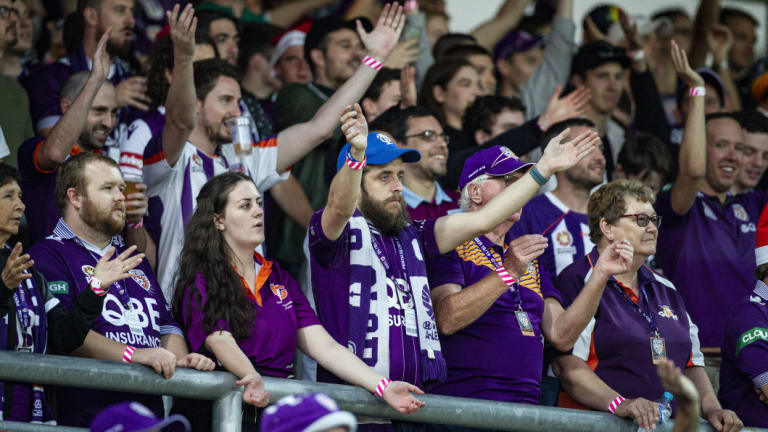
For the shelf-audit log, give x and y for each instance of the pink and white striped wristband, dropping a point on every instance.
(615, 404)
(372, 62)
(505, 276)
(697, 91)
(380, 388)
(128, 354)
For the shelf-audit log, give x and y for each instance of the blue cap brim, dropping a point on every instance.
(381, 158)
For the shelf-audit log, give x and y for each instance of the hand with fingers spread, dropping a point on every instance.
(562, 153)
(398, 395)
(592, 31)
(631, 34)
(109, 271)
(408, 93)
(382, 40)
(643, 411)
(159, 359)
(405, 53)
(355, 128)
(522, 251)
(196, 361)
(136, 204)
(182, 28)
(101, 60)
(615, 259)
(560, 109)
(133, 92)
(254, 392)
(14, 271)
(689, 76)
(719, 41)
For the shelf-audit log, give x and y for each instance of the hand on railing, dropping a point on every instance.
(254, 392)
(196, 361)
(398, 395)
(159, 359)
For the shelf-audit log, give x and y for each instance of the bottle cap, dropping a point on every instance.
(668, 396)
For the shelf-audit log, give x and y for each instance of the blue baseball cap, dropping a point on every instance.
(381, 150)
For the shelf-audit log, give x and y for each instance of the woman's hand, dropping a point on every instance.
(254, 392)
(643, 411)
(724, 420)
(196, 361)
(13, 273)
(398, 396)
(615, 259)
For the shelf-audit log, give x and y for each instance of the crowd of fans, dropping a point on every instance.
(347, 192)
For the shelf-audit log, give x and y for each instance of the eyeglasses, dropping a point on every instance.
(5, 12)
(508, 179)
(643, 219)
(431, 136)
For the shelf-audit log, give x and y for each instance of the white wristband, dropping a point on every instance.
(128, 354)
(380, 388)
(615, 404)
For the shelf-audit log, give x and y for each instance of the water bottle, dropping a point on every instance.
(665, 410)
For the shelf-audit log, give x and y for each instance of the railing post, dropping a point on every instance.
(228, 412)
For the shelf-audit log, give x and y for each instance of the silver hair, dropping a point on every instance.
(464, 200)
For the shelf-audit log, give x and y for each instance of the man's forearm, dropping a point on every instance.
(100, 347)
(180, 110)
(175, 344)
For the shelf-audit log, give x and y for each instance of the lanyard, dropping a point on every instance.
(488, 254)
(648, 316)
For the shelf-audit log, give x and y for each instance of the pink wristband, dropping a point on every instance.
(410, 5)
(372, 62)
(380, 388)
(136, 225)
(95, 285)
(697, 91)
(505, 276)
(128, 354)
(615, 404)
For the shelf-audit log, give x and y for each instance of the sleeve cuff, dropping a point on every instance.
(761, 380)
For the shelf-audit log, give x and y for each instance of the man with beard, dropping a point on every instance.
(93, 19)
(194, 144)
(15, 123)
(89, 104)
(561, 215)
(135, 324)
(367, 259)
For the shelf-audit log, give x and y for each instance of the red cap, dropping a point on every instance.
(761, 246)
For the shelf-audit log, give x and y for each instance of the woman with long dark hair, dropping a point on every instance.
(246, 312)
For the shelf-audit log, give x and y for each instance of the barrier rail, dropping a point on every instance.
(220, 387)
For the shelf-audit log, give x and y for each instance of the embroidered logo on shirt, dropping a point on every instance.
(755, 334)
(58, 287)
(667, 312)
(88, 270)
(279, 291)
(740, 213)
(564, 238)
(141, 279)
(196, 159)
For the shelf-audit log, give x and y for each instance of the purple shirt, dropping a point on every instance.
(616, 342)
(709, 254)
(491, 358)
(39, 191)
(65, 259)
(745, 358)
(330, 264)
(445, 202)
(271, 344)
(566, 230)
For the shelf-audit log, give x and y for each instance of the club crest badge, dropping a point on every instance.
(88, 270)
(564, 238)
(141, 279)
(740, 212)
(279, 291)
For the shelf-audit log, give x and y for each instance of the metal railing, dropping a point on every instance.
(227, 416)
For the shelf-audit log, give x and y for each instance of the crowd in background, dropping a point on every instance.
(346, 191)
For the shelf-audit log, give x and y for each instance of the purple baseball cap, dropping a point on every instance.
(135, 417)
(306, 413)
(494, 161)
(516, 41)
(381, 150)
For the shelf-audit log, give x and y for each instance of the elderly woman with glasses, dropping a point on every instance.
(641, 320)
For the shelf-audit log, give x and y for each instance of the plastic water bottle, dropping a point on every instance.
(665, 410)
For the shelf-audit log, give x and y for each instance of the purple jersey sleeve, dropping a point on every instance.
(305, 316)
(663, 207)
(44, 90)
(426, 232)
(55, 270)
(193, 304)
(548, 289)
(750, 337)
(445, 269)
(328, 253)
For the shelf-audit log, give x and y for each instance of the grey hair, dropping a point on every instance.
(464, 200)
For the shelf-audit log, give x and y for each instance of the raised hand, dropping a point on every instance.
(689, 76)
(615, 259)
(559, 156)
(592, 31)
(381, 41)
(254, 392)
(136, 204)
(109, 271)
(408, 93)
(522, 251)
(630, 32)
(643, 411)
(719, 41)
(398, 395)
(13, 272)
(101, 60)
(405, 53)
(355, 128)
(196, 361)
(182, 31)
(133, 92)
(570, 106)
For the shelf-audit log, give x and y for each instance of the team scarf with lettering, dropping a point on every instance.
(31, 336)
(368, 295)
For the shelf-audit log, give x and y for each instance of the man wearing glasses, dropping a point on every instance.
(15, 124)
(416, 128)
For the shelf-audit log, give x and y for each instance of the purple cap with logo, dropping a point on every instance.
(135, 417)
(306, 413)
(494, 161)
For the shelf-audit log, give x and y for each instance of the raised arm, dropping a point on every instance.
(64, 135)
(345, 187)
(285, 14)
(180, 103)
(296, 141)
(706, 16)
(455, 229)
(693, 151)
(490, 32)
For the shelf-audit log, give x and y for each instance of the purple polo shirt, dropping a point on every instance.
(271, 344)
(566, 230)
(709, 254)
(67, 260)
(745, 358)
(616, 342)
(490, 358)
(445, 202)
(330, 274)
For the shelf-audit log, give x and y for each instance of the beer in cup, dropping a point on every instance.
(240, 129)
